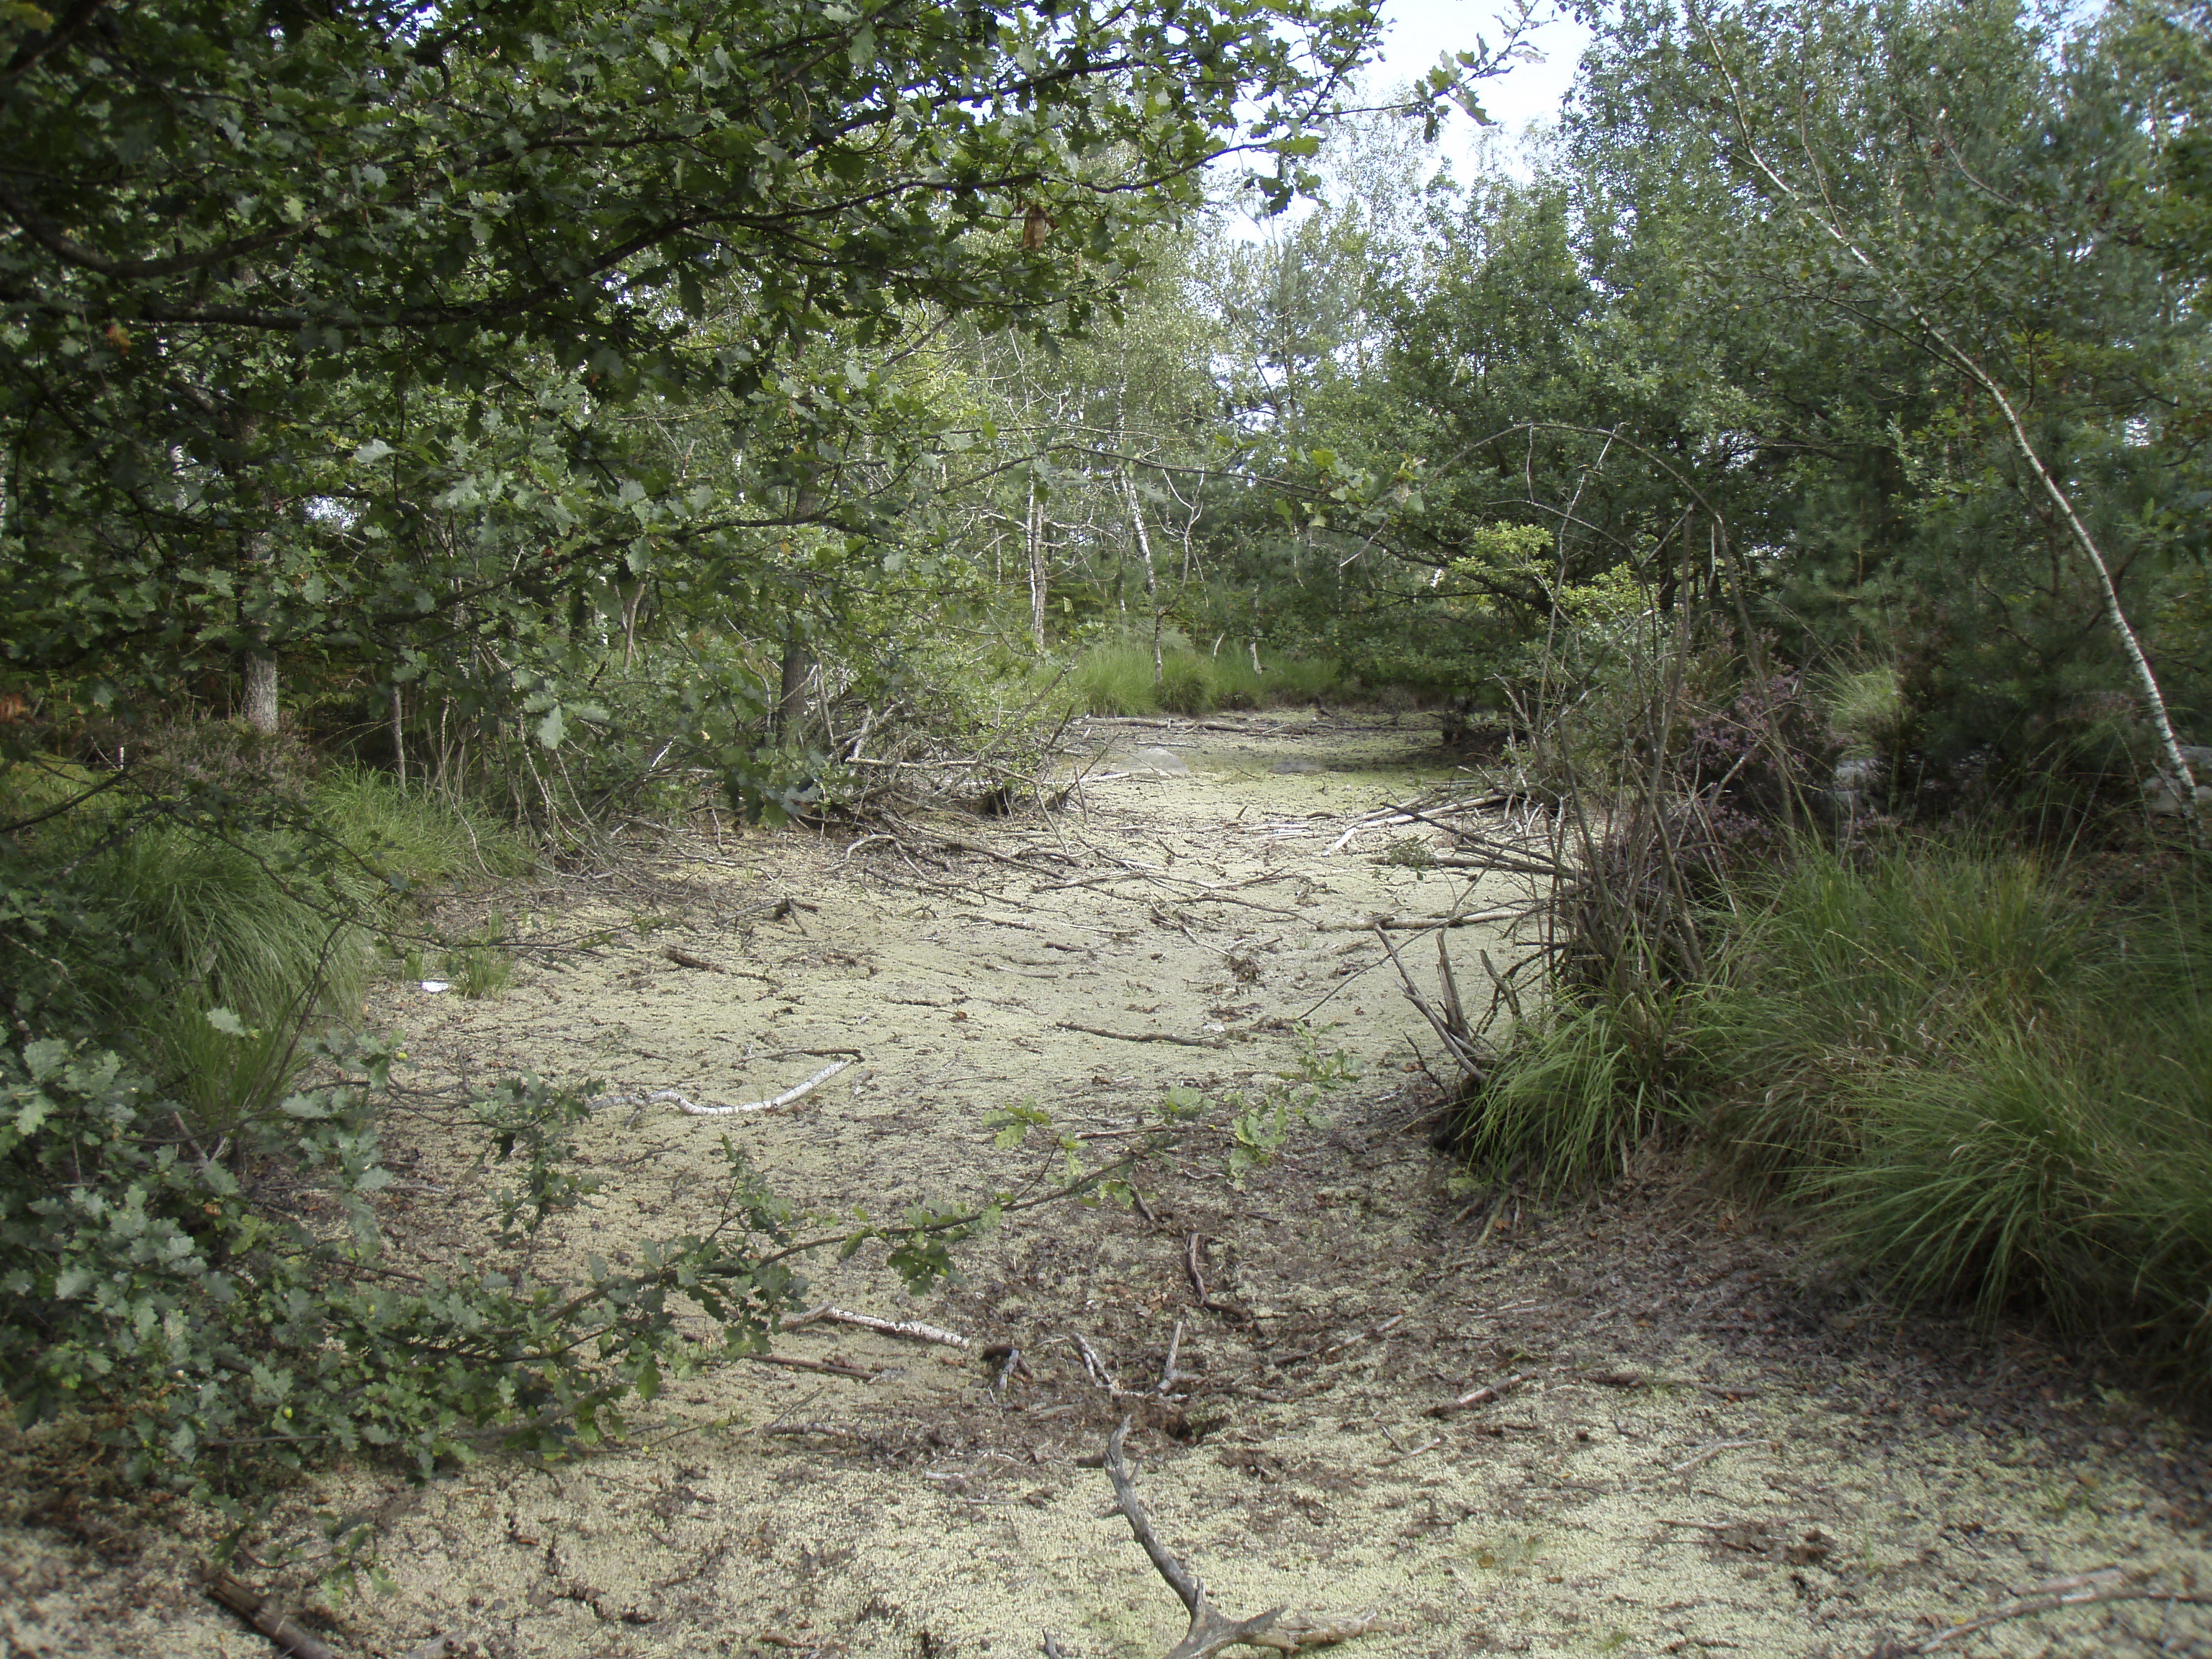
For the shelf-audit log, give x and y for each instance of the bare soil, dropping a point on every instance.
(1702, 1445)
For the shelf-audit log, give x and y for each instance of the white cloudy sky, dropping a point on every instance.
(1421, 31)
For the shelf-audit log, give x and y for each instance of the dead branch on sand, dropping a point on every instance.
(2075, 1591)
(1210, 1632)
(911, 1327)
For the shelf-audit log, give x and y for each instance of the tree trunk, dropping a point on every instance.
(399, 738)
(260, 692)
(1151, 580)
(1035, 523)
(790, 693)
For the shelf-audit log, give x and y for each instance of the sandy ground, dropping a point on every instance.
(1701, 1447)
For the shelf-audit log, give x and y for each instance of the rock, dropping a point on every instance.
(1296, 766)
(1851, 794)
(1165, 761)
(2163, 795)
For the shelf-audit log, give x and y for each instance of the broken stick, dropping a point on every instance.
(1210, 1632)
(790, 1097)
(1483, 1396)
(267, 1617)
(828, 1367)
(913, 1328)
(1136, 1036)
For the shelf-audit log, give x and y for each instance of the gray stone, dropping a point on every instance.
(2163, 795)
(1165, 761)
(1856, 783)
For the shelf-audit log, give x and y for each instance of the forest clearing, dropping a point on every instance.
(946, 827)
(1689, 1448)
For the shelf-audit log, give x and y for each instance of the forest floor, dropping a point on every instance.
(1700, 1443)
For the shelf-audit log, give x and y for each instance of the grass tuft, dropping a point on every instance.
(1116, 678)
(1993, 1089)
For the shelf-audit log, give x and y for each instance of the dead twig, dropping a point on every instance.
(1706, 1454)
(1422, 924)
(789, 1411)
(1210, 1631)
(1483, 1396)
(1169, 1376)
(1094, 1365)
(1191, 1246)
(1136, 1036)
(683, 958)
(1428, 1445)
(267, 1616)
(1374, 1333)
(2077, 1590)
(828, 1367)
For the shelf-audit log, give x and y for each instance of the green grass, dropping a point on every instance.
(1116, 678)
(418, 836)
(229, 919)
(160, 923)
(1990, 1086)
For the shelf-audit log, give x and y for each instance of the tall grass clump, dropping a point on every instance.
(1116, 677)
(418, 835)
(1989, 1084)
(226, 920)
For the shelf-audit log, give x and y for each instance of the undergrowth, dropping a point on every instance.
(1988, 1083)
(1116, 678)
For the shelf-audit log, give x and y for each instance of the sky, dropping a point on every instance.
(1419, 32)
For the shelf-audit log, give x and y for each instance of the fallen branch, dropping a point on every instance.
(828, 1367)
(1422, 924)
(913, 1327)
(1483, 1396)
(685, 959)
(1136, 1036)
(1210, 1632)
(681, 1103)
(2080, 1590)
(266, 1616)
(790, 1097)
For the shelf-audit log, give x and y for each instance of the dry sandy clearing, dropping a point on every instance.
(1703, 1450)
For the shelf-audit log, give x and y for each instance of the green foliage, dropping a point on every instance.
(413, 839)
(479, 964)
(1117, 679)
(1990, 1085)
